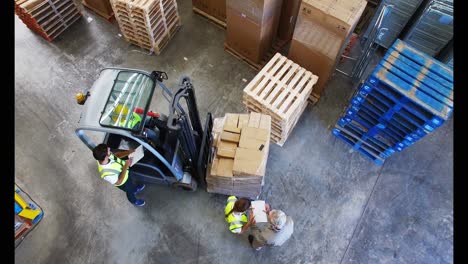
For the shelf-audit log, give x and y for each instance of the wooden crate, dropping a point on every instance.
(281, 89)
(48, 18)
(149, 24)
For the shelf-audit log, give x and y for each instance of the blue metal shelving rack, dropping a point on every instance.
(407, 96)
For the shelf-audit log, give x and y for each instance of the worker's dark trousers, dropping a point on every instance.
(130, 188)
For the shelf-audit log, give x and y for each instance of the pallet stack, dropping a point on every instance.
(241, 142)
(47, 17)
(407, 96)
(323, 29)
(281, 90)
(149, 24)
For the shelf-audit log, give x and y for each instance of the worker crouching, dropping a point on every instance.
(235, 214)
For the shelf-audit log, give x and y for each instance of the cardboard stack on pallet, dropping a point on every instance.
(288, 18)
(214, 10)
(242, 142)
(251, 29)
(48, 18)
(323, 29)
(149, 24)
(281, 90)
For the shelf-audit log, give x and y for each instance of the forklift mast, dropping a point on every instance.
(187, 129)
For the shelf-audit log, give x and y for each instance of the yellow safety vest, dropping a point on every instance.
(134, 120)
(234, 222)
(115, 166)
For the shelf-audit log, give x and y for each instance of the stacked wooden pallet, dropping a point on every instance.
(241, 144)
(49, 18)
(281, 90)
(149, 24)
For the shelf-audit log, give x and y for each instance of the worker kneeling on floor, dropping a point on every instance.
(116, 171)
(235, 214)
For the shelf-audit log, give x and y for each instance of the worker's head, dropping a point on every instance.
(100, 152)
(277, 219)
(241, 205)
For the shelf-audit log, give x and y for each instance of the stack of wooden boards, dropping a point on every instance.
(323, 29)
(281, 90)
(241, 144)
(149, 24)
(49, 18)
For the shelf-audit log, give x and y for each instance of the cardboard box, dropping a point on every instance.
(254, 119)
(254, 138)
(339, 16)
(230, 137)
(313, 61)
(214, 8)
(252, 26)
(243, 121)
(248, 162)
(225, 167)
(226, 149)
(102, 7)
(288, 18)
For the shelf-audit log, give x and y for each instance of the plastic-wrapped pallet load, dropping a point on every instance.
(433, 29)
(322, 31)
(408, 95)
(27, 215)
(149, 24)
(47, 17)
(395, 21)
(251, 28)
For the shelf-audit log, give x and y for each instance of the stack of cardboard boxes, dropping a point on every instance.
(251, 27)
(241, 154)
(322, 31)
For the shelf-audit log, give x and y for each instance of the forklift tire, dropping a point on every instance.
(185, 186)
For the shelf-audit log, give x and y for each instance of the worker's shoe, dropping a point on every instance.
(140, 188)
(140, 203)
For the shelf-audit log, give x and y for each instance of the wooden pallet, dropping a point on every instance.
(210, 18)
(281, 89)
(48, 18)
(276, 47)
(149, 24)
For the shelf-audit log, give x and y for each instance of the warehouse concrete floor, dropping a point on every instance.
(346, 209)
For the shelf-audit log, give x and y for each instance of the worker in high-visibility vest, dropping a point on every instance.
(120, 114)
(235, 214)
(116, 171)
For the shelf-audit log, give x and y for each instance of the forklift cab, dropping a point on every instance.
(176, 148)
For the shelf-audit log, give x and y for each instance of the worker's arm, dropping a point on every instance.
(248, 224)
(123, 153)
(124, 170)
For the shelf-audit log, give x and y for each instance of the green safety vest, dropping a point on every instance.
(134, 120)
(234, 222)
(115, 167)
